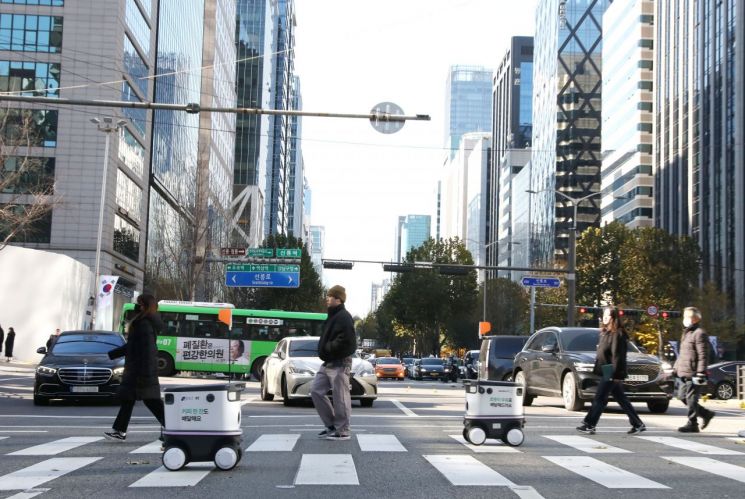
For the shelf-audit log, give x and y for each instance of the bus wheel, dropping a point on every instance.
(256, 368)
(165, 364)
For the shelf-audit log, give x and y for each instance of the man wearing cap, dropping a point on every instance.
(335, 348)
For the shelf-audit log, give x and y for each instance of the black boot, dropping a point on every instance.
(689, 428)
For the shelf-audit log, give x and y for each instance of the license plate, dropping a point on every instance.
(637, 377)
(84, 389)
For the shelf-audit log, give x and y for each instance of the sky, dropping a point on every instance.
(353, 54)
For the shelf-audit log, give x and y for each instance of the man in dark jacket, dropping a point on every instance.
(335, 348)
(691, 369)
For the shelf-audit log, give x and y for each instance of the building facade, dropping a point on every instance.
(317, 242)
(626, 178)
(567, 83)
(413, 231)
(297, 181)
(468, 103)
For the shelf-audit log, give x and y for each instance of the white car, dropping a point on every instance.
(289, 371)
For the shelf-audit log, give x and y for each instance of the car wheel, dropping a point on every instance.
(658, 406)
(367, 402)
(520, 380)
(40, 400)
(265, 395)
(725, 391)
(256, 367)
(285, 399)
(569, 393)
(165, 364)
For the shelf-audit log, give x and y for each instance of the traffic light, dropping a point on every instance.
(621, 313)
(330, 264)
(398, 267)
(665, 314)
(451, 270)
(582, 310)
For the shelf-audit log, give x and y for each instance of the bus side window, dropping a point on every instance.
(171, 321)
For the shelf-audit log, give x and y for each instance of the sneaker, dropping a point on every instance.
(339, 436)
(585, 428)
(707, 419)
(689, 428)
(115, 435)
(637, 429)
(325, 433)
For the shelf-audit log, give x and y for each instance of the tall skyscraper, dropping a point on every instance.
(512, 119)
(296, 168)
(700, 125)
(567, 81)
(627, 136)
(468, 103)
(317, 242)
(413, 231)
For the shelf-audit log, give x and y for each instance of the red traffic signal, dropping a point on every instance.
(582, 310)
(620, 312)
(665, 315)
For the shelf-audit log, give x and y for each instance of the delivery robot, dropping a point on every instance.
(494, 409)
(203, 423)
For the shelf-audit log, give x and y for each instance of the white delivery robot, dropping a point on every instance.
(494, 409)
(203, 423)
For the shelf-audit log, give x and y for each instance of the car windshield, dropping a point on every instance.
(83, 346)
(432, 362)
(586, 341)
(388, 360)
(408, 360)
(304, 348)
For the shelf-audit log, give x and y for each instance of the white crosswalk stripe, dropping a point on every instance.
(692, 446)
(3, 438)
(151, 448)
(380, 443)
(586, 444)
(274, 443)
(327, 469)
(604, 474)
(55, 447)
(709, 465)
(466, 470)
(28, 494)
(490, 446)
(188, 476)
(37, 474)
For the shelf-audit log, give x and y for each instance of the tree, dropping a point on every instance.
(599, 264)
(507, 306)
(546, 314)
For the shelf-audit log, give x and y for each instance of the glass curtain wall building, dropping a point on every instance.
(567, 81)
(414, 230)
(700, 120)
(296, 168)
(468, 104)
(627, 135)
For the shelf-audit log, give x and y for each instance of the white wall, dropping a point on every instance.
(39, 292)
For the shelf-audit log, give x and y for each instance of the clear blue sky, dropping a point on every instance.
(351, 55)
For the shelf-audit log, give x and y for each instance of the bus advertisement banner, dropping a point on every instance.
(207, 354)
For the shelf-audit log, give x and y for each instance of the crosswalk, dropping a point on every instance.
(463, 465)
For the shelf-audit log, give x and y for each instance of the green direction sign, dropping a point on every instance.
(289, 252)
(257, 267)
(261, 252)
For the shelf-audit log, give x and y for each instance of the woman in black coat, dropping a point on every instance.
(10, 339)
(610, 364)
(140, 378)
(2, 338)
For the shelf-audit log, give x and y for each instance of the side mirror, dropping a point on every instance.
(281, 355)
(41, 350)
(549, 348)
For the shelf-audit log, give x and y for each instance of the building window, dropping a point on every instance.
(30, 78)
(138, 26)
(38, 231)
(51, 3)
(128, 196)
(135, 66)
(30, 33)
(32, 127)
(131, 153)
(138, 116)
(27, 175)
(126, 239)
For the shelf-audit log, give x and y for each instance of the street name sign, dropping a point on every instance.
(261, 252)
(248, 275)
(232, 251)
(541, 282)
(289, 252)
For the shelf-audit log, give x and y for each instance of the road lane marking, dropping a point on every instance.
(380, 443)
(526, 492)
(586, 444)
(151, 448)
(55, 447)
(274, 443)
(403, 408)
(188, 476)
(326, 469)
(461, 470)
(692, 446)
(28, 494)
(12, 387)
(604, 474)
(712, 466)
(3, 438)
(490, 446)
(33, 476)
(24, 431)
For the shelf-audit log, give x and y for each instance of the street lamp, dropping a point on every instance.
(108, 127)
(570, 277)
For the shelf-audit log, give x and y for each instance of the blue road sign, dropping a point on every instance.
(262, 279)
(541, 282)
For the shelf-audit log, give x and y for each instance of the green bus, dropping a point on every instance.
(219, 338)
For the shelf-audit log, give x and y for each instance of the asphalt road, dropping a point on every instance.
(406, 445)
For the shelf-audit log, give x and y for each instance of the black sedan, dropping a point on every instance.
(558, 361)
(723, 379)
(78, 367)
(430, 368)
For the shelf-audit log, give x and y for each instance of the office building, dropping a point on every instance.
(567, 81)
(412, 232)
(626, 179)
(316, 246)
(468, 103)
(297, 181)
(377, 294)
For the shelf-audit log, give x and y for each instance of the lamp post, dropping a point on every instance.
(571, 276)
(108, 127)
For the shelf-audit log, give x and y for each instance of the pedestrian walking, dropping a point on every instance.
(691, 369)
(140, 377)
(52, 339)
(610, 364)
(335, 348)
(2, 338)
(10, 339)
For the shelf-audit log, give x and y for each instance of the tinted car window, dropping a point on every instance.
(304, 348)
(536, 342)
(550, 341)
(732, 368)
(506, 347)
(84, 347)
(431, 362)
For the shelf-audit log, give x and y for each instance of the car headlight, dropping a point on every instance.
(301, 371)
(49, 371)
(583, 367)
(667, 367)
(118, 371)
(447, 369)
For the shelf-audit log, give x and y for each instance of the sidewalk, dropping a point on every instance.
(17, 366)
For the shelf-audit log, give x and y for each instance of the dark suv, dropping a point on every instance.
(497, 356)
(722, 379)
(471, 364)
(558, 361)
